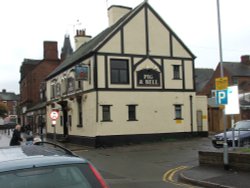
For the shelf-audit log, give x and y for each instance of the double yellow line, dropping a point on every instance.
(169, 176)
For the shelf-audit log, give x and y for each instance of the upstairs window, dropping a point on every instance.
(119, 71)
(70, 84)
(53, 91)
(235, 81)
(176, 72)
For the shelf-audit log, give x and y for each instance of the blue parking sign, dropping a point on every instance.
(221, 97)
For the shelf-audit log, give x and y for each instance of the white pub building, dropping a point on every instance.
(133, 82)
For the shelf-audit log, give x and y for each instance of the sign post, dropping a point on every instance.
(221, 85)
(54, 116)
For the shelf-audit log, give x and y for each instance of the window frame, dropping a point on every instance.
(106, 118)
(119, 70)
(178, 111)
(177, 72)
(133, 117)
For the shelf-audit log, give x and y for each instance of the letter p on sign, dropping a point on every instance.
(221, 97)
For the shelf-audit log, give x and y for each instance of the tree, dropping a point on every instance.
(3, 110)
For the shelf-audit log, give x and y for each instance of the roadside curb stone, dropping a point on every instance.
(185, 179)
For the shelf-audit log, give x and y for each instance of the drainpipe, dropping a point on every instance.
(191, 112)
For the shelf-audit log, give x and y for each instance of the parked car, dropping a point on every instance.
(241, 135)
(46, 165)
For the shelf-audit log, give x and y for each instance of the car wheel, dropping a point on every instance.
(245, 142)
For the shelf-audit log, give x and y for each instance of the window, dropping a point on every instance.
(235, 81)
(131, 112)
(119, 71)
(79, 106)
(58, 89)
(178, 111)
(53, 91)
(61, 121)
(79, 85)
(70, 84)
(176, 71)
(69, 121)
(106, 113)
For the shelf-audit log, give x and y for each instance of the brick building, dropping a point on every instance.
(10, 99)
(238, 73)
(33, 73)
(32, 86)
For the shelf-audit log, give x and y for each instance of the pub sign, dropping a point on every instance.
(148, 77)
(81, 72)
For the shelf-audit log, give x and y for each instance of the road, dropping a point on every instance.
(152, 165)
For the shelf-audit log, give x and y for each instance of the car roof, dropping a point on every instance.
(30, 156)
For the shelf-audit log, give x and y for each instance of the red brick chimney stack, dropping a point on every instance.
(50, 50)
(245, 59)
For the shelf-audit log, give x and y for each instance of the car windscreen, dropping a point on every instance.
(242, 125)
(65, 176)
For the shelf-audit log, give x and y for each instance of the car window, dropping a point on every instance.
(242, 125)
(63, 176)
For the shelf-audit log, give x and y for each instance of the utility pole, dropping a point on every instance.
(225, 146)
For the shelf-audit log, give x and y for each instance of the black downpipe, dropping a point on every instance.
(191, 112)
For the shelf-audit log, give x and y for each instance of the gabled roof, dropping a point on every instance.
(88, 48)
(202, 76)
(237, 69)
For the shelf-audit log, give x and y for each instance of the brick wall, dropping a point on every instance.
(237, 161)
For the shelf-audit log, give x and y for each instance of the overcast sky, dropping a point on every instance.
(25, 24)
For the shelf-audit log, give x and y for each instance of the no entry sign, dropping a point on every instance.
(54, 115)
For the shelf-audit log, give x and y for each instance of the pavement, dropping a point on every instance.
(215, 177)
(202, 176)
(5, 137)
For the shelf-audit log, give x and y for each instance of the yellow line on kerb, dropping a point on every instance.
(169, 176)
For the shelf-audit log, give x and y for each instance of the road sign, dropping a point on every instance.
(233, 106)
(221, 83)
(221, 97)
(54, 115)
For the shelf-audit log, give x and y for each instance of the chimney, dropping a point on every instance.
(50, 50)
(115, 12)
(81, 38)
(245, 59)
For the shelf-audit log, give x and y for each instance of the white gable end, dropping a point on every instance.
(113, 45)
(159, 38)
(134, 35)
(178, 49)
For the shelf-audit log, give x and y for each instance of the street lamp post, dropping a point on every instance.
(225, 146)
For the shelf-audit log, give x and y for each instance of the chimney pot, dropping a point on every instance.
(81, 38)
